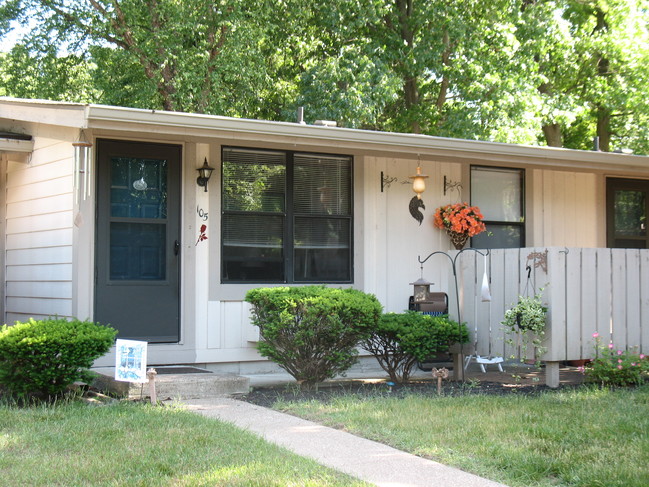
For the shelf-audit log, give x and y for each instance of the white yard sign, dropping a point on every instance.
(130, 360)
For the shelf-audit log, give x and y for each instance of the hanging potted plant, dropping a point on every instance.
(460, 221)
(526, 320)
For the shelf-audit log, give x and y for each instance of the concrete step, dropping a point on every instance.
(181, 382)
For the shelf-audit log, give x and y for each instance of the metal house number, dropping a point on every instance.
(201, 214)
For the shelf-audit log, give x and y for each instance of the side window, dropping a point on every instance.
(286, 217)
(499, 192)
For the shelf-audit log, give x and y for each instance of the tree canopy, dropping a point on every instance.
(555, 72)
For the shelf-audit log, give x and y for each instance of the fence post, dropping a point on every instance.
(552, 374)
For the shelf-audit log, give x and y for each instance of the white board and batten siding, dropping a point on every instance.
(230, 337)
(565, 208)
(587, 291)
(392, 239)
(39, 231)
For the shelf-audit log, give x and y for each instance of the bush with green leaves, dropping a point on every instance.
(44, 357)
(312, 332)
(400, 340)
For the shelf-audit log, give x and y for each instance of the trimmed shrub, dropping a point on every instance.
(312, 331)
(400, 340)
(45, 357)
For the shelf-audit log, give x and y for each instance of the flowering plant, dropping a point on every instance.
(616, 367)
(460, 218)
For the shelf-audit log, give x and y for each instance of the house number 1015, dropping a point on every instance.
(201, 214)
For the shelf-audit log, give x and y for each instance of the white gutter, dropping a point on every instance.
(16, 145)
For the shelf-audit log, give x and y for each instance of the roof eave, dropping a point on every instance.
(306, 136)
(392, 144)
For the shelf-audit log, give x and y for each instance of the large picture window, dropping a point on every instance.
(499, 194)
(286, 217)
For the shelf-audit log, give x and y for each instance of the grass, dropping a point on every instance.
(73, 444)
(587, 437)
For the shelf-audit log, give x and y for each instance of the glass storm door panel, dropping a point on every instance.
(627, 208)
(138, 193)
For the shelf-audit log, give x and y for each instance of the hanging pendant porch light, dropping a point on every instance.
(419, 182)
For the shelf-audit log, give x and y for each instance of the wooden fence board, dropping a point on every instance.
(574, 281)
(483, 308)
(466, 270)
(588, 303)
(604, 295)
(644, 302)
(619, 290)
(556, 294)
(494, 343)
(632, 273)
(514, 280)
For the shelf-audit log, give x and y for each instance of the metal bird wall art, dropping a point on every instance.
(415, 204)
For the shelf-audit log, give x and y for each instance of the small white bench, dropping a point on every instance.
(482, 361)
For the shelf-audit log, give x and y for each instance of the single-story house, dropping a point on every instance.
(105, 216)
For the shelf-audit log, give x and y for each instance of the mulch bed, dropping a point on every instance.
(268, 396)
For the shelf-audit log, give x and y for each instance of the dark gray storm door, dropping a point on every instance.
(627, 207)
(138, 241)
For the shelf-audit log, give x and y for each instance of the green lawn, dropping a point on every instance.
(588, 437)
(73, 444)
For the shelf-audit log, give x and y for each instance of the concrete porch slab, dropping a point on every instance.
(188, 384)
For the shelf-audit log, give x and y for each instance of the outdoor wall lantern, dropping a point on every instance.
(204, 175)
(419, 182)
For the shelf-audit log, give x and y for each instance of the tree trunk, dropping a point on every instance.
(603, 70)
(411, 88)
(445, 83)
(552, 133)
(410, 80)
(604, 129)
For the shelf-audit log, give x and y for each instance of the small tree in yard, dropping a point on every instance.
(312, 331)
(399, 341)
(44, 357)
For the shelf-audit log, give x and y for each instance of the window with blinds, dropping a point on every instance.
(499, 193)
(286, 217)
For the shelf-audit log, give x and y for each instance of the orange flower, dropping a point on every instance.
(460, 218)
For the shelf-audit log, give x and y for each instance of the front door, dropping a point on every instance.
(137, 249)
(627, 206)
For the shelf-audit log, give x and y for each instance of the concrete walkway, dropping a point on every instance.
(364, 459)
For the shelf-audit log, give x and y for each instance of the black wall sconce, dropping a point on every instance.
(204, 175)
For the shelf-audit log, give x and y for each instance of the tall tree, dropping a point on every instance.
(201, 56)
(592, 57)
(555, 72)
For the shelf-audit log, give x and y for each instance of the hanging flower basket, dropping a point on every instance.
(460, 221)
(525, 323)
(458, 239)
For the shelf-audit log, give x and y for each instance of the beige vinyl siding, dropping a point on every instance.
(393, 239)
(39, 230)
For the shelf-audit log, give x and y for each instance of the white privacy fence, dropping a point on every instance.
(586, 290)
